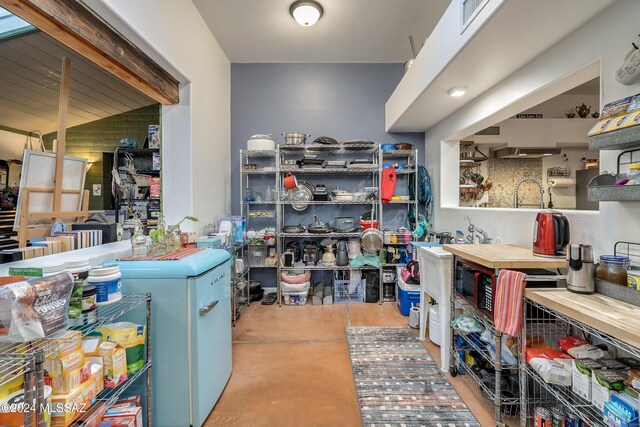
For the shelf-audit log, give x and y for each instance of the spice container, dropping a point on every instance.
(613, 269)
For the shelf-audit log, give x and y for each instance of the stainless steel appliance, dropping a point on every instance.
(580, 271)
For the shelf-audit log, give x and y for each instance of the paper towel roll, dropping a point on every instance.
(562, 182)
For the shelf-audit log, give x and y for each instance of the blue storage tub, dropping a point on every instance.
(408, 295)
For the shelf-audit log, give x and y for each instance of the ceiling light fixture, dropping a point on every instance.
(457, 91)
(306, 12)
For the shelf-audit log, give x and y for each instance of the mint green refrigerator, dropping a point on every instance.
(190, 332)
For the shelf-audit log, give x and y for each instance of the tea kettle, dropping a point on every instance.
(583, 111)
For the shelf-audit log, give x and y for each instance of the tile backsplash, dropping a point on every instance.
(505, 173)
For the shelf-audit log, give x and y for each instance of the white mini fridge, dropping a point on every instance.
(190, 332)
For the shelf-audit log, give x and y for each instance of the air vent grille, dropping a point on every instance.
(471, 8)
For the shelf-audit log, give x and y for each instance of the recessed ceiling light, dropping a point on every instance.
(457, 91)
(306, 12)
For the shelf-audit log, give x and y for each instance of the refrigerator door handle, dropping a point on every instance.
(207, 308)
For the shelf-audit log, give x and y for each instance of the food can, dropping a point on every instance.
(572, 420)
(542, 417)
(558, 415)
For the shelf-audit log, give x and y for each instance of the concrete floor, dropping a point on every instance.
(291, 367)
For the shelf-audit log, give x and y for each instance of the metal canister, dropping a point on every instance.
(558, 415)
(571, 420)
(542, 417)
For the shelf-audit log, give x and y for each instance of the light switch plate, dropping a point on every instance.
(97, 189)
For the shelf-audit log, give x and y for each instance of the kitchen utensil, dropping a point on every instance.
(288, 259)
(335, 164)
(320, 193)
(310, 253)
(318, 226)
(388, 147)
(293, 229)
(356, 145)
(367, 224)
(371, 240)
(342, 255)
(260, 142)
(344, 223)
(550, 234)
(325, 140)
(583, 111)
(580, 269)
(344, 197)
(255, 286)
(487, 185)
(328, 258)
(290, 181)
(403, 146)
(295, 138)
(300, 197)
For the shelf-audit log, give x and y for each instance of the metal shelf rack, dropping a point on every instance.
(561, 325)
(411, 157)
(27, 359)
(371, 173)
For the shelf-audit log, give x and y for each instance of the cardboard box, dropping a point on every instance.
(67, 407)
(66, 345)
(66, 383)
(56, 368)
(117, 422)
(115, 363)
(601, 393)
(97, 372)
(134, 412)
(581, 382)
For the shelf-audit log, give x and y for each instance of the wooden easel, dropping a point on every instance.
(27, 231)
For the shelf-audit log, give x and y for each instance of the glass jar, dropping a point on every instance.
(634, 174)
(139, 247)
(613, 269)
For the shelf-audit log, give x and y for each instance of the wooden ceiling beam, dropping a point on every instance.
(79, 28)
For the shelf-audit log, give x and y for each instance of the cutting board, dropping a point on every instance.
(504, 256)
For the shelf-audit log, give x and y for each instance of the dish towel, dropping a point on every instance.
(388, 184)
(507, 312)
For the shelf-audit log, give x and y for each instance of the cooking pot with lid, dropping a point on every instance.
(260, 142)
(295, 138)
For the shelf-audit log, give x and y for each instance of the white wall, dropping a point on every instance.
(12, 145)
(605, 39)
(196, 132)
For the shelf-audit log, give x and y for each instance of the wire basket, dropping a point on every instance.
(347, 287)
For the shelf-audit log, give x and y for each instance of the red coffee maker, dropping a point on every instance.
(550, 234)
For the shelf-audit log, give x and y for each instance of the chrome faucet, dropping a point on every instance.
(522, 181)
(482, 236)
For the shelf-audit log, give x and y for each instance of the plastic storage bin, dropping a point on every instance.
(408, 295)
(295, 298)
(257, 255)
(434, 324)
(347, 290)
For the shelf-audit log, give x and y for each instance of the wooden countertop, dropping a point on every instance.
(504, 256)
(616, 318)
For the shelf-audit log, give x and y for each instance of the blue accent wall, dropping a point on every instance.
(343, 101)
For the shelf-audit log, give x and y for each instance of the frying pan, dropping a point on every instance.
(371, 240)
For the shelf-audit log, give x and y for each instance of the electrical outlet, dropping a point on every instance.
(97, 189)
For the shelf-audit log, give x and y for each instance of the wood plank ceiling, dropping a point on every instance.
(29, 84)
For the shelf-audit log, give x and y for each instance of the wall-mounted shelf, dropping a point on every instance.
(620, 139)
(603, 188)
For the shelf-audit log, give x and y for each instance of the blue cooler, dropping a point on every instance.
(408, 295)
